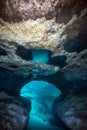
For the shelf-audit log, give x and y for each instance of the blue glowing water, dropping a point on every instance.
(41, 56)
(42, 95)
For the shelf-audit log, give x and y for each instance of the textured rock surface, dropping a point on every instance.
(73, 112)
(14, 113)
(43, 33)
(65, 33)
(56, 25)
(18, 10)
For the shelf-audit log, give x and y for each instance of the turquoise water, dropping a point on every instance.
(42, 95)
(41, 56)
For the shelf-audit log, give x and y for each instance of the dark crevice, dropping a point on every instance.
(58, 61)
(84, 56)
(24, 53)
(3, 52)
(77, 44)
(13, 66)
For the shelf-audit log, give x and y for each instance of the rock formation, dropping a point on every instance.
(58, 26)
(73, 112)
(13, 112)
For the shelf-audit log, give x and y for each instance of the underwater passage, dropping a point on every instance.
(42, 95)
(43, 64)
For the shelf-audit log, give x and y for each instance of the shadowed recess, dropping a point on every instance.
(77, 44)
(84, 56)
(58, 61)
(24, 53)
(13, 66)
(11, 83)
(2, 52)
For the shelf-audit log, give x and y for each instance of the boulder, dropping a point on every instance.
(14, 112)
(72, 111)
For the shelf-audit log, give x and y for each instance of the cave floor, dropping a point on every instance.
(36, 123)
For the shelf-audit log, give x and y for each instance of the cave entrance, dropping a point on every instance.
(42, 95)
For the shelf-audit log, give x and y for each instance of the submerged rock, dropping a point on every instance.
(73, 112)
(59, 26)
(14, 112)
